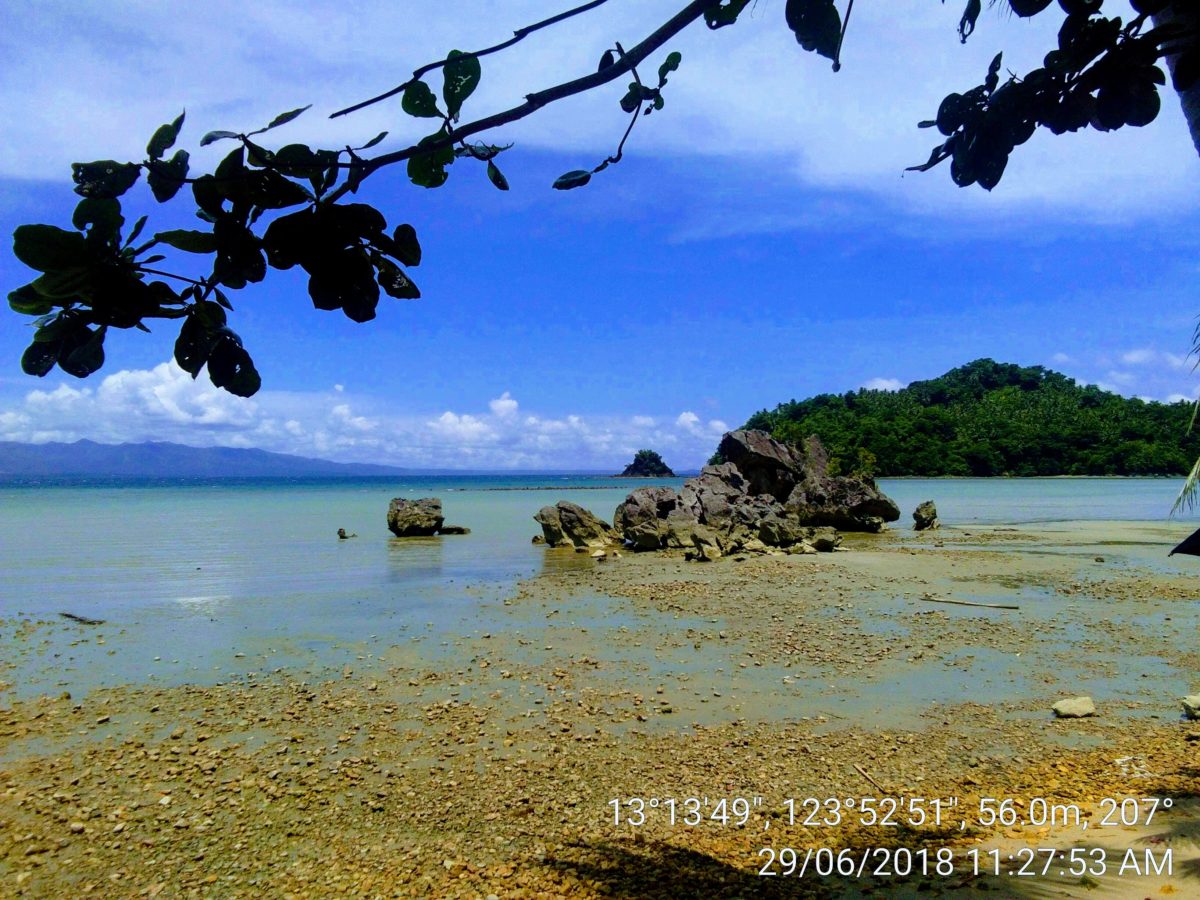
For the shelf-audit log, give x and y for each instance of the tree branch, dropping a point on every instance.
(534, 102)
(518, 35)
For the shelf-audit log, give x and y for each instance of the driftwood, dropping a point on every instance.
(83, 620)
(865, 774)
(930, 599)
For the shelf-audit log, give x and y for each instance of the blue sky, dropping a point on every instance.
(759, 242)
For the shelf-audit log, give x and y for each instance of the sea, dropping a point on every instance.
(199, 581)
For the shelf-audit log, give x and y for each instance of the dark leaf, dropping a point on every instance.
(428, 168)
(816, 24)
(674, 58)
(105, 178)
(83, 354)
(573, 179)
(394, 282)
(926, 123)
(27, 301)
(461, 75)
(270, 190)
(299, 161)
(496, 176)
(284, 118)
(39, 358)
(46, 248)
(190, 241)
(222, 299)
(213, 136)
(408, 249)
(1027, 8)
(164, 139)
(166, 178)
(419, 101)
(240, 257)
(993, 75)
(137, 231)
(231, 368)
(64, 284)
(1142, 106)
(208, 196)
(966, 25)
(632, 98)
(939, 153)
(102, 220)
(373, 141)
(192, 346)
(724, 12)
(257, 156)
(55, 328)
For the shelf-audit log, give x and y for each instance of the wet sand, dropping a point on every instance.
(484, 763)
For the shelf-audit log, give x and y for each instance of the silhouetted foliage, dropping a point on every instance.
(989, 418)
(277, 207)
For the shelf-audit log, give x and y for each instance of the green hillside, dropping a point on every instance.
(989, 418)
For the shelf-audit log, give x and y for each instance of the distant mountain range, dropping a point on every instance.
(163, 460)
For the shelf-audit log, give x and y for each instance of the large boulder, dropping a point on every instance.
(567, 524)
(642, 518)
(765, 493)
(767, 466)
(415, 518)
(925, 516)
(848, 504)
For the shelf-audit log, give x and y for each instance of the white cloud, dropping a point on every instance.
(883, 384)
(503, 406)
(746, 94)
(1061, 359)
(165, 404)
(1148, 356)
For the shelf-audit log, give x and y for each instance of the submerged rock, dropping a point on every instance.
(1074, 708)
(415, 518)
(568, 524)
(454, 529)
(925, 516)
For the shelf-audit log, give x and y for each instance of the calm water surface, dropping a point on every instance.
(223, 578)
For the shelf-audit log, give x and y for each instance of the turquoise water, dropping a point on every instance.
(223, 578)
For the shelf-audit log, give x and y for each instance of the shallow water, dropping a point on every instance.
(203, 581)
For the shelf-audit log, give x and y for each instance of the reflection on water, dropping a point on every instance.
(411, 557)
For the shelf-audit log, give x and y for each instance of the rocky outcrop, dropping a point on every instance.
(647, 464)
(765, 494)
(454, 529)
(925, 517)
(415, 518)
(567, 524)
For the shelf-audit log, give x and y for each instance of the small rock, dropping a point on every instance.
(1191, 706)
(1074, 708)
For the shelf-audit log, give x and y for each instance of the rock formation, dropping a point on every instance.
(647, 464)
(415, 518)
(925, 516)
(567, 524)
(765, 494)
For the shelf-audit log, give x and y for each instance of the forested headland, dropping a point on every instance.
(990, 418)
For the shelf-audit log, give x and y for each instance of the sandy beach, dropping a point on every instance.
(650, 727)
